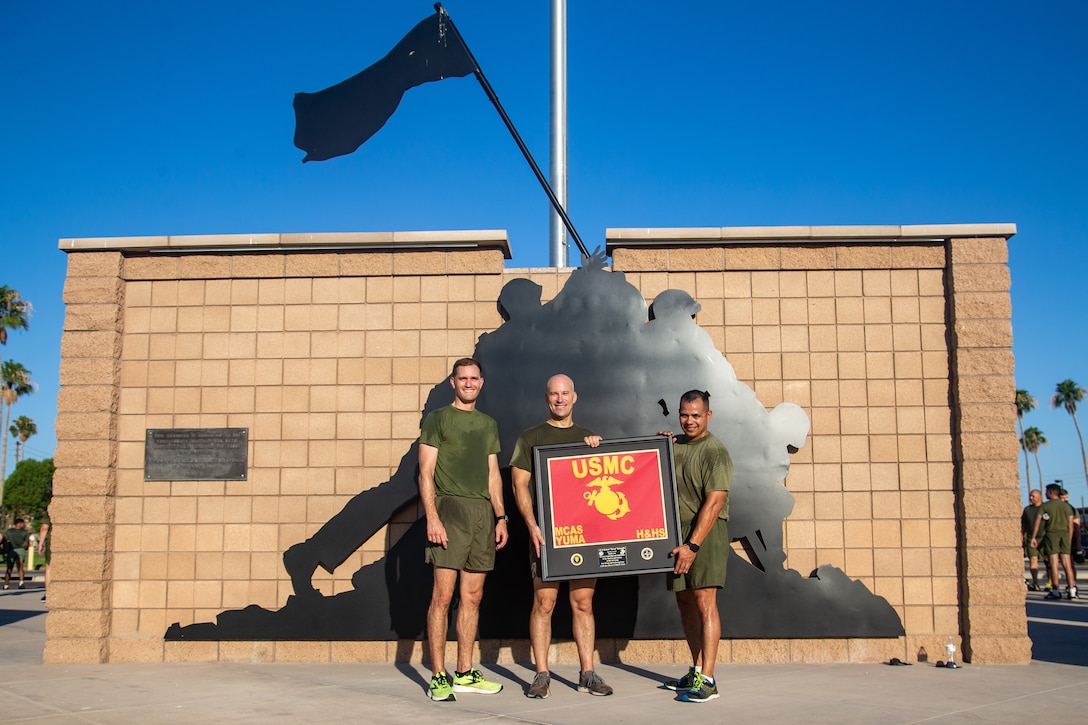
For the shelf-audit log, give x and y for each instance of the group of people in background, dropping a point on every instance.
(1051, 531)
(461, 492)
(13, 550)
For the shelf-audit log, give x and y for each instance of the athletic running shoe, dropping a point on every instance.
(1071, 592)
(684, 683)
(440, 688)
(1053, 594)
(539, 690)
(704, 691)
(473, 681)
(592, 683)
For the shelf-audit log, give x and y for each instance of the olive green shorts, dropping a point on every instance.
(470, 529)
(708, 569)
(1055, 543)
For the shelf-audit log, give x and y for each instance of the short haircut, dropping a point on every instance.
(1053, 487)
(1063, 492)
(467, 362)
(19, 521)
(692, 395)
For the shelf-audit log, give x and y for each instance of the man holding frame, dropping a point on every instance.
(704, 471)
(559, 428)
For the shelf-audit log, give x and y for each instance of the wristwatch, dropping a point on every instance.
(694, 547)
(504, 517)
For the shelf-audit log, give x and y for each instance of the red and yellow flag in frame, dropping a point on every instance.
(607, 498)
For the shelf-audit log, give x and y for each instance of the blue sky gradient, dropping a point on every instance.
(125, 119)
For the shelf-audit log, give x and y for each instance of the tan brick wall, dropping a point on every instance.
(328, 358)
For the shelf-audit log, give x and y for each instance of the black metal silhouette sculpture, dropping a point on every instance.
(630, 365)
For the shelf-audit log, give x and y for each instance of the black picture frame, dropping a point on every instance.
(583, 511)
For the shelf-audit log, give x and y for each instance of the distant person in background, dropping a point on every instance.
(16, 537)
(1075, 550)
(1027, 530)
(43, 547)
(1053, 537)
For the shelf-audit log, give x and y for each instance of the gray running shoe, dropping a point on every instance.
(684, 683)
(592, 683)
(539, 690)
(704, 691)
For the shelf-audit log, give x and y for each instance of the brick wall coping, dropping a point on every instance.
(330, 241)
(858, 234)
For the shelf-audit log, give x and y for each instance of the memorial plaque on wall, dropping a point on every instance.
(196, 454)
(607, 511)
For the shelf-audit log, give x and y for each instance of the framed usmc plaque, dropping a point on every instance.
(606, 511)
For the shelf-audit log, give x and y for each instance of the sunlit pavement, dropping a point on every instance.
(1053, 686)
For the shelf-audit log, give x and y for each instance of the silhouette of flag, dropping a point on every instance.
(340, 119)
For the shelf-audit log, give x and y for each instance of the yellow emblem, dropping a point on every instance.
(608, 502)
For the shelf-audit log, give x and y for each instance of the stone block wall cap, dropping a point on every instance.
(322, 241)
(721, 236)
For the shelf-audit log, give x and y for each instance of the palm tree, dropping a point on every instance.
(1067, 394)
(1025, 402)
(1033, 438)
(14, 312)
(21, 430)
(16, 383)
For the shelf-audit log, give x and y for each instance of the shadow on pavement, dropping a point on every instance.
(1058, 630)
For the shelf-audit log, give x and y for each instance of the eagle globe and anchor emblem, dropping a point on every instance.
(612, 504)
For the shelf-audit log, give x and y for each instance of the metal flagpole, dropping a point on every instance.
(514, 132)
(558, 233)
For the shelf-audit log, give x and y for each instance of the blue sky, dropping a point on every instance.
(126, 118)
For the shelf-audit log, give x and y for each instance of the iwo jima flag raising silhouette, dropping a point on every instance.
(338, 120)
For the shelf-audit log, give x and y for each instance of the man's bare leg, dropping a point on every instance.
(540, 620)
(438, 616)
(692, 624)
(583, 624)
(468, 616)
(710, 626)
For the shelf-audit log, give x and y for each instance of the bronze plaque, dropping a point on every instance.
(196, 454)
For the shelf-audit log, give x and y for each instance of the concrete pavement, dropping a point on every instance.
(1054, 686)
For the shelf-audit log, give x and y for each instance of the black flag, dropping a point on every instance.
(340, 119)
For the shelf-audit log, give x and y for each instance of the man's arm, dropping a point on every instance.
(1035, 531)
(42, 533)
(524, 500)
(436, 532)
(494, 488)
(704, 522)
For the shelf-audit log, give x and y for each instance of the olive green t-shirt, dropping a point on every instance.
(1027, 522)
(702, 466)
(17, 537)
(544, 434)
(1055, 514)
(464, 439)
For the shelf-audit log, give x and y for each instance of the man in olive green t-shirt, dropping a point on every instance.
(16, 536)
(704, 472)
(461, 493)
(1052, 536)
(1027, 530)
(559, 428)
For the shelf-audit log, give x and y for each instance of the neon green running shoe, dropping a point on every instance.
(473, 681)
(440, 690)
